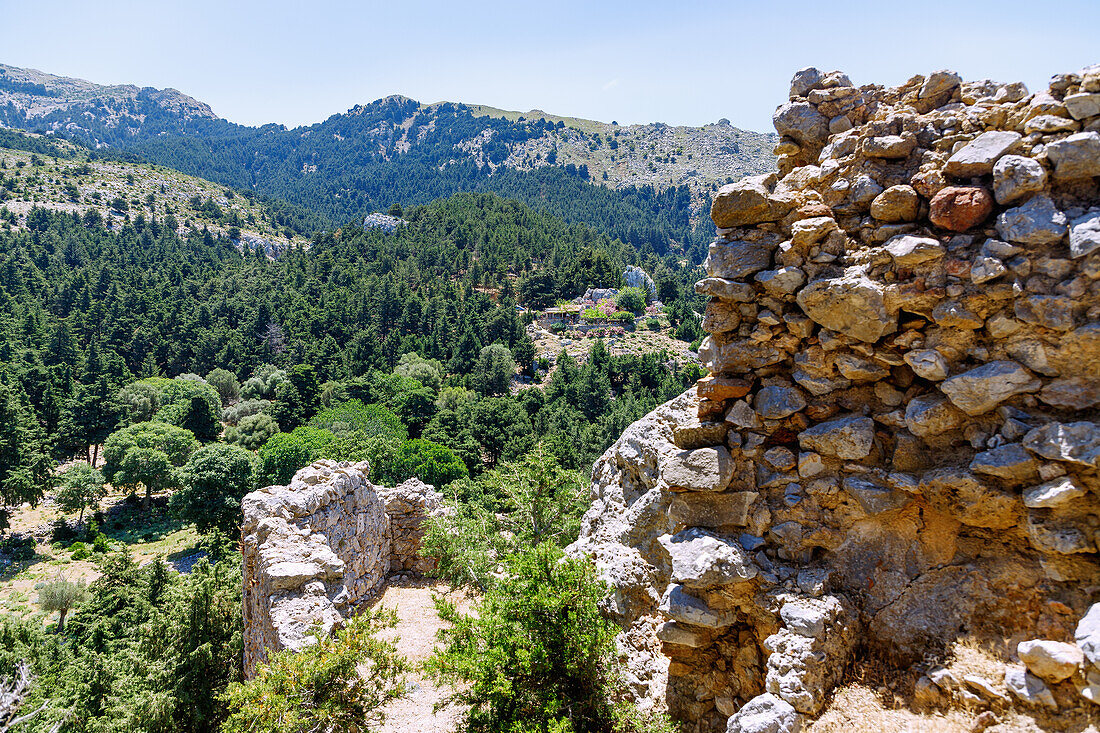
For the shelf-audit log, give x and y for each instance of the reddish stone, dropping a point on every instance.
(722, 388)
(957, 268)
(709, 409)
(814, 208)
(959, 208)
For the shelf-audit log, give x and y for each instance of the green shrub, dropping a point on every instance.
(214, 480)
(538, 655)
(430, 462)
(254, 431)
(653, 324)
(225, 382)
(284, 453)
(320, 688)
(632, 299)
(355, 417)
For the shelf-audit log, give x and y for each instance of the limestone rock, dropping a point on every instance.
(932, 414)
(1084, 234)
(722, 388)
(927, 364)
(1009, 462)
(781, 282)
(977, 157)
(671, 632)
(1077, 442)
(1036, 222)
(802, 122)
(844, 437)
(737, 260)
(716, 287)
(853, 305)
(1028, 688)
(765, 714)
(1074, 393)
(897, 203)
(889, 146)
(981, 389)
(1082, 105)
(774, 403)
(1049, 311)
(959, 208)
(1053, 494)
(1052, 661)
(701, 559)
(1075, 157)
(685, 608)
(1087, 635)
(703, 469)
(737, 357)
(938, 84)
(874, 498)
(1016, 177)
(908, 250)
(748, 201)
(712, 510)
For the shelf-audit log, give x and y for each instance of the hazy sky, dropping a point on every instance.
(676, 61)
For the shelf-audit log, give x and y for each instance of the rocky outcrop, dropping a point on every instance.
(899, 441)
(316, 549)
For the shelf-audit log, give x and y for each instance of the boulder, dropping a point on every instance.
(1053, 494)
(1049, 311)
(748, 201)
(1076, 156)
(1077, 442)
(849, 437)
(1052, 661)
(939, 84)
(702, 469)
(1084, 234)
(896, 204)
(712, 510)
(1016, 177)
(852, 304)
(981, 389)
(803, 123)
(889, 146)
(932, 414)
(765, 714)
(959, 208)
(701, 559)
(927, 364)
(1028, 688)
(681, 606)
(737, 260)
(1087, 635)
(1037, 222)
(781, 282)
(977, 157)
(775, 403)
(908, 250)
(731, 290)
(1010, 462)
(1082, 105)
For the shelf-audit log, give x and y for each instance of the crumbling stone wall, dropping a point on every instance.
(898, 442)
(316, 549)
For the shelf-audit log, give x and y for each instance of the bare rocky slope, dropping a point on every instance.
(899, 442)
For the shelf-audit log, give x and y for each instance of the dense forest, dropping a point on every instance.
(376, 155)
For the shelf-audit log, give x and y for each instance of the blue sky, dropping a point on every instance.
(682, 62)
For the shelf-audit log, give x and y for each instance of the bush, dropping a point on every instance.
(234, 414)
(538, 655)
(355, 417)
(146, 454)
(284, 453)
(263, 383)
(254, 431)
(214, 480)
(18, 548)
(653, 324)
(225, 382)
(320, 687)
(632, 299)
(430, 462)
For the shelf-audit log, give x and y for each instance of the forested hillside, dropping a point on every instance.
(396, 150)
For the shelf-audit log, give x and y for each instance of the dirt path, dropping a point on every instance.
(417, 622)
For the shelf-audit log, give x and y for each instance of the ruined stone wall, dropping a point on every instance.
(898, 443)
(319, 547)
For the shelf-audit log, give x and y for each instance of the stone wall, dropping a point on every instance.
(316, 549)
(898, 443)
